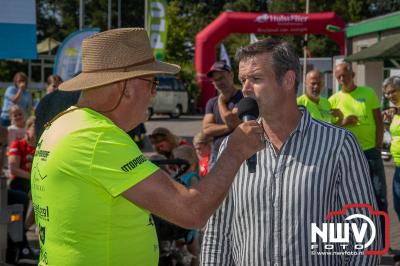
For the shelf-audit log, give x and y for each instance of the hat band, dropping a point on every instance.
(124, 68)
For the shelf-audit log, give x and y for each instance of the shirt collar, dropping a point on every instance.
(305, 121)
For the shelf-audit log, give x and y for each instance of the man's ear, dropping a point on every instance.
(289, 79)
(125, 90)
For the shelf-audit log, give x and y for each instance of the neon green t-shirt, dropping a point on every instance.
(83, 162)
(395, 143)
(360, 102)
(320, 111)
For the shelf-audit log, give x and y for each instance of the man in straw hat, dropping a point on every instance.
(92, 188)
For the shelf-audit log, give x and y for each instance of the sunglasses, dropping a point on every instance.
(154, 82)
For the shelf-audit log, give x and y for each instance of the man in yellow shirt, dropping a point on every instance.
(92, 188)
(319, 107)
(362, 116)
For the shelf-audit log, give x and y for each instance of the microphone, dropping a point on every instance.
(247, 111)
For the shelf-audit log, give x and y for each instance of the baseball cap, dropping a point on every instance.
(219, 66)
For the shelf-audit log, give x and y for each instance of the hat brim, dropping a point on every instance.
(211, 72)
(85, 81)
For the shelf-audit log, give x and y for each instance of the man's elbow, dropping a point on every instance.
(207, 130)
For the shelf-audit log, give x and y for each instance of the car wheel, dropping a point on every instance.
(177, 112)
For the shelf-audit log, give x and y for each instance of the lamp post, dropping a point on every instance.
(109, 15)
(119, 13)
(305, 51)
(81, 14)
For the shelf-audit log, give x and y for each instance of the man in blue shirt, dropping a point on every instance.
(221, 118)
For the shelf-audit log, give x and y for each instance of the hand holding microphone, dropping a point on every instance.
(248, 111)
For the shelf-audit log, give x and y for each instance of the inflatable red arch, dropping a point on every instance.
(327, 23)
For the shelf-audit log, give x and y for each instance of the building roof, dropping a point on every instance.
(386, 48)
(46, 45)
(381, 23)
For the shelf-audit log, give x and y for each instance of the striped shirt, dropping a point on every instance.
(266, 217)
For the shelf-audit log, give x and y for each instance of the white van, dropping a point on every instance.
(171, 98)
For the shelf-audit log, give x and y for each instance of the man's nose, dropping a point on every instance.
(247, 86)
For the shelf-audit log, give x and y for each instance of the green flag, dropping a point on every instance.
(157, 26)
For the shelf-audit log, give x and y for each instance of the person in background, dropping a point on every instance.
(391, 90)
(362, 116)
(17, 128)
(17, 94)
(53, 81)
(20, 252)
(318, 106)
(20, 157)
(189, 179)
(220, 117)
(202, 144)
(53, 103)
(164, 141)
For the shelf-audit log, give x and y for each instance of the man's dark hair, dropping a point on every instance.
(52, 78)
(284, 57)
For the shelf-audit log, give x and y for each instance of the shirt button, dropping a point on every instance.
(275, 204)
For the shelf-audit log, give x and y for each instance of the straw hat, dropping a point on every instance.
(116, 55)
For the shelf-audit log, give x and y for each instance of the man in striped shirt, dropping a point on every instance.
(307, 170)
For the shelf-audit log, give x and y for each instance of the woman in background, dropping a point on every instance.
(16, 94)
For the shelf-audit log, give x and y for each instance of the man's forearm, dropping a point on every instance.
(17, 96)
(212, 189)
(215, 130)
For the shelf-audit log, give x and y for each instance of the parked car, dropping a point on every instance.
(171, 98)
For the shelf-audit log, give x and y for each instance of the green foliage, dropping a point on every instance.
(9, 68)
(57, 19)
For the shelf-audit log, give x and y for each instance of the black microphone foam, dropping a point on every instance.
(248, 107)
(247, 111)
